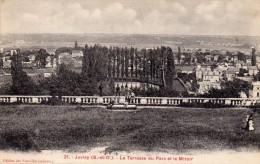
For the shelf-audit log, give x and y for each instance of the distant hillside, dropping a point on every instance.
(128, 40)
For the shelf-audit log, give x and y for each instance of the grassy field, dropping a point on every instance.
(177, 129)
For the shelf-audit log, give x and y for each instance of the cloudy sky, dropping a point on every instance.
(188, 17)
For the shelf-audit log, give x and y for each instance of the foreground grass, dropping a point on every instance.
(55, 127)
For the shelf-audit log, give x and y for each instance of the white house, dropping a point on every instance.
(254, 91)
(249, 61)
(185, 69)
(205, 86)
(208, 57)
(62, 55)
(50, 62)
(199, 71)
(6, 62)
(208, 79)
(76, 53)
(47, 74)
(216, 57)
(252, 70)
(231, 73)
(234, 57)
(12, 52)
(211, 76)
(31, 57)
(258, 62)
(239, 64)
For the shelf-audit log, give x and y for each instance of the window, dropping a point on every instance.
(257, 94)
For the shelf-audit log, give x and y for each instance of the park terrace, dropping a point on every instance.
(142, 101)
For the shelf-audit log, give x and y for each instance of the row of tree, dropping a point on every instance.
(152, 65)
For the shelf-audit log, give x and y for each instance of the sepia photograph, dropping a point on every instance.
(129, 81)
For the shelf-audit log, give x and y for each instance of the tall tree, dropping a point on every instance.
(118, 61)
(95, 62)
(109, 70)
(136, 59)
(151, 63)
(132, 53)
(22, 84)
(41, 58)
(126, 61)
(157, 64)
(85, 61)
(144, 62)
(170, 68)
(122, 62)
(91, 61)
(1, 62)
(76, 45)
(253, 57)
(163, 67)
(179, 54)
(114, 61)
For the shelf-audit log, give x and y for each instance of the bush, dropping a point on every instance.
(204, 105)
(153, 92)
(53, 101)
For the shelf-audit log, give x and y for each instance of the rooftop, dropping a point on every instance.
(256, 83)
(211, 73)
(252, 67)
(232, 70)
(29, 71)
(185, 68)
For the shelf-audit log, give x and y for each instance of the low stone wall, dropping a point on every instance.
(158, 101)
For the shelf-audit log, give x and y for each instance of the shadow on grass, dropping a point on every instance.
(20, 140)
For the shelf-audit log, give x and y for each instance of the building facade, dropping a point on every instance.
(254, 91)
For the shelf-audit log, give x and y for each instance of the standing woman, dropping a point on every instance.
(250, 122)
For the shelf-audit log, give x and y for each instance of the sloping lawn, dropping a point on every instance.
(37, 128)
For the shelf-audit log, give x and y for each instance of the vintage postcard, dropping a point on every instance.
(129, 81)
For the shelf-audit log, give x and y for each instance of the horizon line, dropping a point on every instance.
(57, 33)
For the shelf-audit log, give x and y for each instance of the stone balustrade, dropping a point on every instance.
(149, 101)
